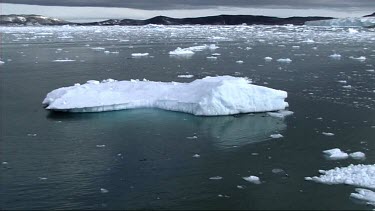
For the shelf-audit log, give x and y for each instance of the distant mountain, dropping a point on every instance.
(162, 20)
(212, 20)
(30, 20)
(371, 15)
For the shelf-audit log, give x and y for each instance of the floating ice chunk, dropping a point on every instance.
(43, 178)
(309, 41)
(276, 135)
(192, 137)
(191, 50)
(210, 96)
(98, 48)
(64, 60)
(4, 163)
(328, 134)
(103, 190)
(280, 114)
(185, 76)
(267, 58)
(252, 179)
(287, 60)
(216, 178)
(336, 154)
(139, 54)
(107, 52)
(100, 145)
(211, 57)
(1, 62)
(372, 70)
(215, 54)
(196, 156)
(357, 155)
(347, 87)
(357, 175)
(181, 51)
(352, 31)
(342, 81)
(361, 58)
(335, 56)
(239, 62)
(364, 195)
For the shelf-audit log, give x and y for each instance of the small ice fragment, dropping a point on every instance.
(211, 57)
(64, 60)
(240, 187)
(357, 155)
(287, 60)
(280, 114)
(107, 52)
(100, 145)
(98, 48)
(139, 54)
(216, 178)
(252, 179)
(276, 136)
(103, 190)
(32, 134)
(361, 58)
(267, 58)
(372, 70)
(336, 154)
(4, 163)
(352, 31)
(335, 56)
(342, 81)
(43, 178)
(328, 134)
(181, 51)
(185, 76)
(239, 62)
(192, 137)
(215, 54)
(1, 62)
(347, 87)
(196, 156)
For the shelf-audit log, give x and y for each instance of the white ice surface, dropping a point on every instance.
(280, 114)
(364, 195)
(252, 179)
(210, 96)
(191, 50)
(357, 155)
(336, 154)
(276, 135)
(287, 60)
(357, 175)
(139, 54)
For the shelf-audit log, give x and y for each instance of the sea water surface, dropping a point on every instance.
(155, 159)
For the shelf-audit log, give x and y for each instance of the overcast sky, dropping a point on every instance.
(143, 9)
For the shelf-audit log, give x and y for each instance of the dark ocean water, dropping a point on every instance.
(143, 158)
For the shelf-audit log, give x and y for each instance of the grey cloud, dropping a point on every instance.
(196, 4)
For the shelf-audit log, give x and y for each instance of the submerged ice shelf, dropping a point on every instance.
(210, 96)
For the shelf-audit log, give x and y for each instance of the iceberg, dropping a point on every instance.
(345, 22)
(192, 50)
(210, 96)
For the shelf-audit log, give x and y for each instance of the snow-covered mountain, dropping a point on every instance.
(30, 20)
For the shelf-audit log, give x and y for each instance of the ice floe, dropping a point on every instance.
(364, 195)
(185, 76)
(210, 96)
(139, 54)
(280, 114)
(358, 175)
(357, 155)
(276, 135)
(64, 60)
(287, 60)
(336, 154)
(191, 50)
(252, 179)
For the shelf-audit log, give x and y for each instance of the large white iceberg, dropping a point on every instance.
(210, 96)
